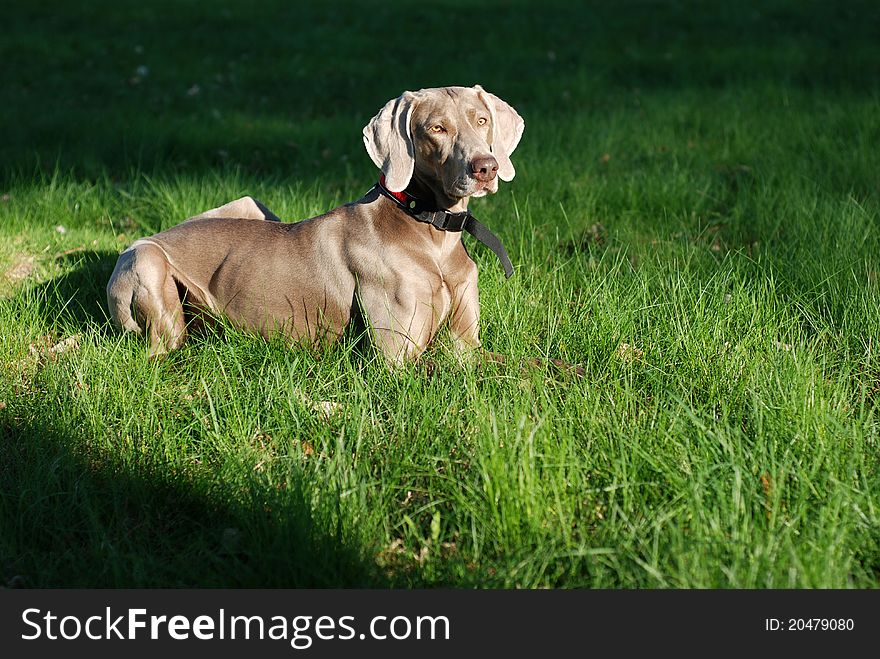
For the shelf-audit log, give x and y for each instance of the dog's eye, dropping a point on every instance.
(437, 129)
(482, 121)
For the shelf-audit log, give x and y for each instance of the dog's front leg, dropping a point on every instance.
(401, 326)
(464, 322)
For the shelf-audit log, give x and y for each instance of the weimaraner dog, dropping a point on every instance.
(394, 258)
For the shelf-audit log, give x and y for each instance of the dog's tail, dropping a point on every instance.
(120, 293)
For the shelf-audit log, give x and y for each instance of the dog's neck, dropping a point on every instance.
(449, 220)
(420, 189)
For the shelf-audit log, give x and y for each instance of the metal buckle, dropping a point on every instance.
(444, 221)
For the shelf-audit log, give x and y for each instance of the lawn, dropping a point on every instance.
(695, 220)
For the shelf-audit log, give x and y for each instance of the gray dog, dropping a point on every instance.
(394, 258)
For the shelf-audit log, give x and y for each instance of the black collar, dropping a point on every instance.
(444, 220)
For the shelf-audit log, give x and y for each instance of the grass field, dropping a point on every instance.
(695, 220)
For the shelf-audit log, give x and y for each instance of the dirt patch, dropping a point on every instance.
(23, 266)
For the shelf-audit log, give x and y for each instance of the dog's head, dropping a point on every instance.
(456, 140)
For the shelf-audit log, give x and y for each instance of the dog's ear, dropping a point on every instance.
(389, 141)
(507, 129)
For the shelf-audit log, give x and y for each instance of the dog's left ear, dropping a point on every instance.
(389, 141)
(507, 130)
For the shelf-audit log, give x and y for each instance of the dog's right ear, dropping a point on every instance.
(389, 141)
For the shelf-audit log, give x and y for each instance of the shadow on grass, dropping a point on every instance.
(283, 88)
(78, 296)
(76, 517)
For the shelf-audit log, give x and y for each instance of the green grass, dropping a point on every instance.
(694, 219)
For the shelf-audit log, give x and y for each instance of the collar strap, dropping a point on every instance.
(444, 220)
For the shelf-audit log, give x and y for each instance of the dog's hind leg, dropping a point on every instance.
(142, 295)
(158, 301)
(120, 292)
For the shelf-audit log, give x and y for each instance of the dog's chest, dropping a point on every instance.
(442, 301)
(451, 262)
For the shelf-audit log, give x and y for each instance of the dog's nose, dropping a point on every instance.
(484, 168)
